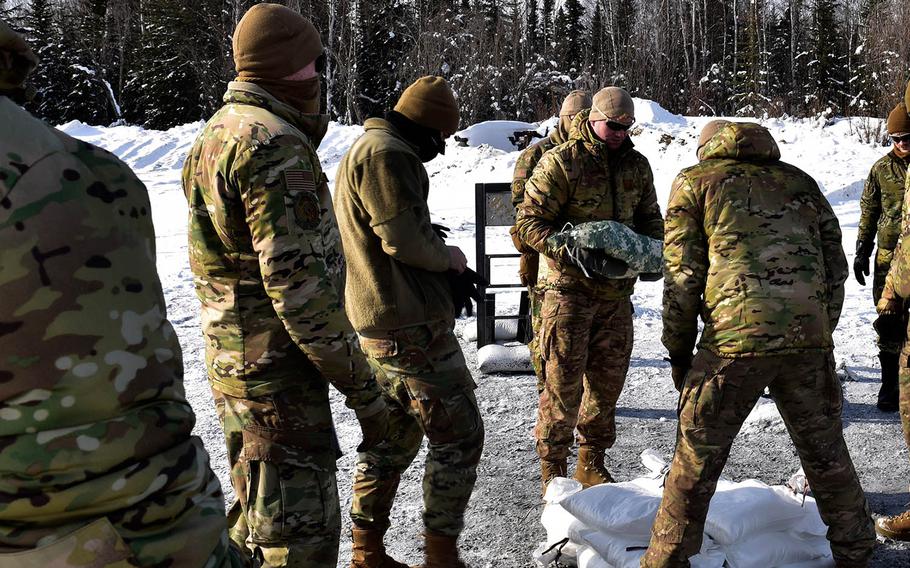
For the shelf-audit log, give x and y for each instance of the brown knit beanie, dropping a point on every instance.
(272, 42)
(430, 102)
(898, 120)
(574, 103)
(613, 103)
(16, 59)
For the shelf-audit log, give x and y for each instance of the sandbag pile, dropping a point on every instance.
(749, 525)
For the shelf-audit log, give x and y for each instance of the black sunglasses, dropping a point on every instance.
(899, 139)
(618, 126)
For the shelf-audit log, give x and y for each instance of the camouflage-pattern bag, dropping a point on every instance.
(637, 254)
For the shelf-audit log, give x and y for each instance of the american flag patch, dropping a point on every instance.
(299, 180)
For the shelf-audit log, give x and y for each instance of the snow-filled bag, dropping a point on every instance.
(627, 508)
(746, 508)
(510, 358)
(503, 330)
(641, 254)
(779, 548)
(557, 521)
(622, 551)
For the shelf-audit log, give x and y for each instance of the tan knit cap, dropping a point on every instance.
(898, 120)
(613, 103)
(430, 102)
(574, 103)
(272, 42)
(16, 59)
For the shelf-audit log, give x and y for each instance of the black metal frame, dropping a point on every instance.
(486, 310)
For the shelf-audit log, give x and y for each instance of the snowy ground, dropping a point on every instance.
(503, 520)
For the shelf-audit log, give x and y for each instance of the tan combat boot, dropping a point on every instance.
(895, 528)
(590, 469)
(369, 552)
(441, 551)
(550, 469)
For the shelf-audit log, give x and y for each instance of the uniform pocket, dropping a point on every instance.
(834, 392)
(96, 544)
(447, 418)
(379, 348)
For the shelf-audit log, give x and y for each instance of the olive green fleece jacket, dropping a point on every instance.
(396, 264)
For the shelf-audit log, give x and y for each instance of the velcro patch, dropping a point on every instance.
(299, 180)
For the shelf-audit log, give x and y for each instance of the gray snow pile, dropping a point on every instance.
(749, 524)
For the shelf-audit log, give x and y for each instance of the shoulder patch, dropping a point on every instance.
(299, 180)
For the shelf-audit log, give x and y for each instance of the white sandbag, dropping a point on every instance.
(747, 508)
(557, 521)
(513, 358)
(810, 524)
(588, 558)
(622, 551)
(503, 330)
(827, 562)
(626, 508)
(774, 549)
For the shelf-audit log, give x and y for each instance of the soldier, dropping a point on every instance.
(399, 300)
(267, 265)
(585, 335)
(752, 246)
(891, 326)
(574, 103)
(99, 467)
(881, 212)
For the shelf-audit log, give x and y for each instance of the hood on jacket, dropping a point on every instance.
(744, 141)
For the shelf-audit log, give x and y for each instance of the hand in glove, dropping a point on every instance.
(861, 262)
(651, 276)
(464, 289)
(891, 327)
(441, 230)
(596, 262)
(679, 368)
(375, 428)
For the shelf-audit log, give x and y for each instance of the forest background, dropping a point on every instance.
(161, 63)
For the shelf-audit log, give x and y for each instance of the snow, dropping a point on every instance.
(502, 525)
(494, 133)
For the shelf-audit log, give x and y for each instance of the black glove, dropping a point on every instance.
(861, 262)
(375, 429)
(464, 289)
(651, 276)
(679, 368)
(596, 262)
(891, 327)
(441, 230)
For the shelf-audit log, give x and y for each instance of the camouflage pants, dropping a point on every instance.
(535, 301)
(882, 265)
(282, 451)
(430, 393)
(586, 345)
(904, 385)
(717, 397)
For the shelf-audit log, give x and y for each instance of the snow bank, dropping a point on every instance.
(494, 133)
(651, 113)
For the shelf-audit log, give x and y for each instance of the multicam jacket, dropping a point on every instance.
(753, 247)
(528, 160)
(266, 255)
(880, 204)
(98, 465)
(581, 181)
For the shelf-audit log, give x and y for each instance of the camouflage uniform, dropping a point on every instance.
(267, 265)
(529, 261)
(99, 467)
(586, 328)
(879, 221)
(765, 270)
(399, 301)
(893, 301)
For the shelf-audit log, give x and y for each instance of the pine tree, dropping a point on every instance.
(48, 79)
(826, 74)
(575, 34)
(533, 42)
(163, 89)
(382, 45)
(597, 47)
